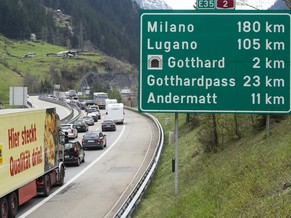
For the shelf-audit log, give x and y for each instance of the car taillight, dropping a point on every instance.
(83, 140)
(72, 131)
(75, 149)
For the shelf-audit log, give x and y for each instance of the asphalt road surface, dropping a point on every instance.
(98, 187)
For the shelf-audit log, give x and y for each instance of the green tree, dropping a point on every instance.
(115, 94)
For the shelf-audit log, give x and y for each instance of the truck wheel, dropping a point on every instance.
(3, 207)
(78, 162)
(46, 185)
(12, 204)
(62, 176)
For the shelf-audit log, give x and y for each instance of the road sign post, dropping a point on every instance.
(223, 62)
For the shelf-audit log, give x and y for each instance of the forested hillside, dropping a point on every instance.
(106, 25)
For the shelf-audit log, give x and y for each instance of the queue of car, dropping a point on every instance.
(75, 150)
(94, 113)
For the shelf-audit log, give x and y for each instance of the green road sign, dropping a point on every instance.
(205, 4)
(222, 62)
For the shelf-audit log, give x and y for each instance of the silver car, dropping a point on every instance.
(89, 120)
(70, 130)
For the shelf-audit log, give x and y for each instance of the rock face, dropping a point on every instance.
(120, 80)
(109, 80)
(152, 4)
(280, 5)
(262, 4)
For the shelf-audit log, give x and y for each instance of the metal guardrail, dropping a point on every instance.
(69, 118)
(130, 205)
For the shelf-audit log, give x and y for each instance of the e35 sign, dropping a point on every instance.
(218, 4)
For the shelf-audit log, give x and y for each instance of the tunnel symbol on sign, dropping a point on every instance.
(155, 62)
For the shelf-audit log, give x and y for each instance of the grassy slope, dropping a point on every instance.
(244, 180)
(13, 66)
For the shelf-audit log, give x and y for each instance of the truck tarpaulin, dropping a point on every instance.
(27, 146)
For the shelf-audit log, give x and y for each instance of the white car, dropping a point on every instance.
(93, 106)
(70, 130)
(94, 113)
(89, 120)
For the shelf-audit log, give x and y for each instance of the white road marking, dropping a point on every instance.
(71, 180)
(131, 182)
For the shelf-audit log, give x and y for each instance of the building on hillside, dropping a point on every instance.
(125, 92)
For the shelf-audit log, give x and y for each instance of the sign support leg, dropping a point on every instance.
(268, 125)
(176, 153)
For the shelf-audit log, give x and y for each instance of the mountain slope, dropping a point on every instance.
(261, 4)
(108, 25)
(153, 4)
(46, 68)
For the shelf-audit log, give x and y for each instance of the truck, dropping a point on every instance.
(109, 101)
(115, 112)
(31, 156)
(99, 98)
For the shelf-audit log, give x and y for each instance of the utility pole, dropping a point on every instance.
(81, 39)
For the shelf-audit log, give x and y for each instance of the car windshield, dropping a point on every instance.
(79, 122)
(90, 137)
(65, 127)
(68, 146)
(87, 118)
(107, 121)
(89, 102)
(92, 110)
(91, 134)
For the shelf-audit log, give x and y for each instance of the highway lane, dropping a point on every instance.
(61, 111)
(100, 185)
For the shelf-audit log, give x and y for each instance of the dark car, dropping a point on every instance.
(94, 139)
(81, 125)
(108, 125)
(74, 153)
(82, 105)
(88, 103)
